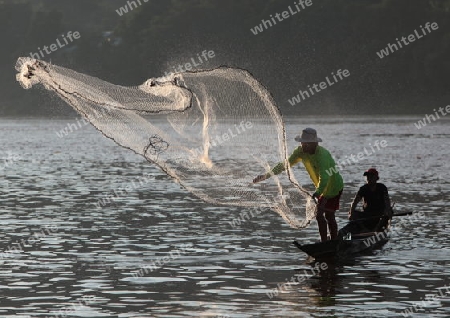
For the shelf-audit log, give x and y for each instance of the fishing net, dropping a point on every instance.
(212, 131)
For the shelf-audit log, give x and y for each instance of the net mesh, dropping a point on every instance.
(212, 131)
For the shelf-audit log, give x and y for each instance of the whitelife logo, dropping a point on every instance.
(265, 24)
(130, 4)
(302, 95)
(411, 38)
(355, 159)
(422, 123)
(60, 43)
(201, 58)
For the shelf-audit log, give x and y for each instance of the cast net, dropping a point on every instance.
(212, 131)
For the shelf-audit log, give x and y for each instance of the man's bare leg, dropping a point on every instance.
(322, 223)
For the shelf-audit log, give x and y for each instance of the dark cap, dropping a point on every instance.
(371, 171)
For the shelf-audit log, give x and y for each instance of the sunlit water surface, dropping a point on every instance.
(83, 261)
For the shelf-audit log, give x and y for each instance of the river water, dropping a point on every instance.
(157, 251)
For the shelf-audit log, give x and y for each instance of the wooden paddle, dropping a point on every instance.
(403, 213)
(379, 217)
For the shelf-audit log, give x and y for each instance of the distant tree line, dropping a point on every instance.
(300, 50)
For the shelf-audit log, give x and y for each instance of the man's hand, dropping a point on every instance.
(315, 196)
(260, 178)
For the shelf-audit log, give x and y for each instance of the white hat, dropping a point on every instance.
(308, 135)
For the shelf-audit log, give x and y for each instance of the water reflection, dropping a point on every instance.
(325, 285)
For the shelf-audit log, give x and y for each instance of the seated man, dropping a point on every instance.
(376, 203)
(377, 209)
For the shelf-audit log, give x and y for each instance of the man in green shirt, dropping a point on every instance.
(318, 163)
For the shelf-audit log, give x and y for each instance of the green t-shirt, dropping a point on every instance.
(320, 167)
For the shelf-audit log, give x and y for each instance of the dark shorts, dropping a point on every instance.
(331, 204)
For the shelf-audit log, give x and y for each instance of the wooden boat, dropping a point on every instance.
(358, 242)
(344, 248)
(356, 237)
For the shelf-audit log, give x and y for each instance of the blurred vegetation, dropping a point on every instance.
(300, 51)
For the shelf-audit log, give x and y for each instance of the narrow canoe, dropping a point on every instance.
(344, 248)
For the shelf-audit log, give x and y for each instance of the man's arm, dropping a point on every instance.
(387, 204)
(387, 213)
(294, 158)
(355, 202)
